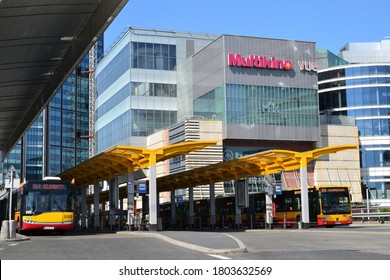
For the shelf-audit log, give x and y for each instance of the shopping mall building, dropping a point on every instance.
(252, 94)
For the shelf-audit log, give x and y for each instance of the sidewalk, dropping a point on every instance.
(18, 237)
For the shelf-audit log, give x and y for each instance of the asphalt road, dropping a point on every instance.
(357, 242)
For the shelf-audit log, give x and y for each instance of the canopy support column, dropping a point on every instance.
(152, 193)
(84, 207)
(212, 205)
(173, 209)
(191, 206)
(130, 200)
(96, 192)
(113, 198)
(304, 193)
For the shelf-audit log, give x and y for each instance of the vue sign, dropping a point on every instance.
(308, 66)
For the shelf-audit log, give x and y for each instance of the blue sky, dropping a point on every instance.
(331, 23)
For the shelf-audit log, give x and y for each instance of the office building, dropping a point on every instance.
(137, 84)
(59, 137)
(361, 90)
(263, 91)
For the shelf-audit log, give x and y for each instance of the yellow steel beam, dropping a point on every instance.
(120, 160)
(267, 162)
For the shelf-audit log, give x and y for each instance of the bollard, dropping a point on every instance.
(12, 229)
(5, 230)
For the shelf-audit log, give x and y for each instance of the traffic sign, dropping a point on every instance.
(278, 189)
(142, 187)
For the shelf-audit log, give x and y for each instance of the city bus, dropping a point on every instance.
(328, 206)
(45, 205)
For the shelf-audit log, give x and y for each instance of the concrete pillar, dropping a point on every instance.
(84, 224)
(152, 194)
(130, 200)
(212, 205)
(8, 229)
(238, 215)
(191, 206)
(113, 198)
(104, 218)
(96, 192)
(304, 194)
(173, 209)
(5, 229)
(268, 207)
(159, 221)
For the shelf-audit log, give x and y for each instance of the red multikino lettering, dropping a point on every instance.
(258, 62)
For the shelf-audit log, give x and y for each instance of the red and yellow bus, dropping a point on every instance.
(328, 206)
(46, 205)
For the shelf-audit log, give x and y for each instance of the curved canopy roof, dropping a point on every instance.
(121, 160)
(41, 41)
(267, 162)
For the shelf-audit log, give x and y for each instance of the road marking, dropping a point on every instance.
(13, 244)
(220, 257)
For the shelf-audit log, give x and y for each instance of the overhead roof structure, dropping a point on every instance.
(267, 162)
(41, 41)
(121, 160)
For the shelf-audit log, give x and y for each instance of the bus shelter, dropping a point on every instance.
(122, 160)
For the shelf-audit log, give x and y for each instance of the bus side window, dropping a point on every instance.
(297, 204)
(287, 204)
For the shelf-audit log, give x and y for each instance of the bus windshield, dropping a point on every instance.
(335, 201)
(37, 202)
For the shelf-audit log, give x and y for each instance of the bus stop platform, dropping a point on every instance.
(18, 237)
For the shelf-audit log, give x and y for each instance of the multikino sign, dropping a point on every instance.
(258, 61)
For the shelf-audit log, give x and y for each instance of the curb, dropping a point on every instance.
(19, 237)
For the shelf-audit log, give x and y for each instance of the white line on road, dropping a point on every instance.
(220, 257)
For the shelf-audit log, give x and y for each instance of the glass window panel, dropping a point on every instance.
(141, 49)
(149, 49)
(357, 71)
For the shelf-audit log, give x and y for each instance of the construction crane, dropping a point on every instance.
(92, 98)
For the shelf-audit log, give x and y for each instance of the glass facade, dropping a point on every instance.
(363, 92)
(153, 89)
(147, 122)
(53, 143)
(262, 105)
(153, 56)
(137, 85)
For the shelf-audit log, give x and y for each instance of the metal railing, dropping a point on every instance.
(371, 215)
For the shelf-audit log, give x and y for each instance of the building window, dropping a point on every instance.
(153, 56)
(153, 89)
